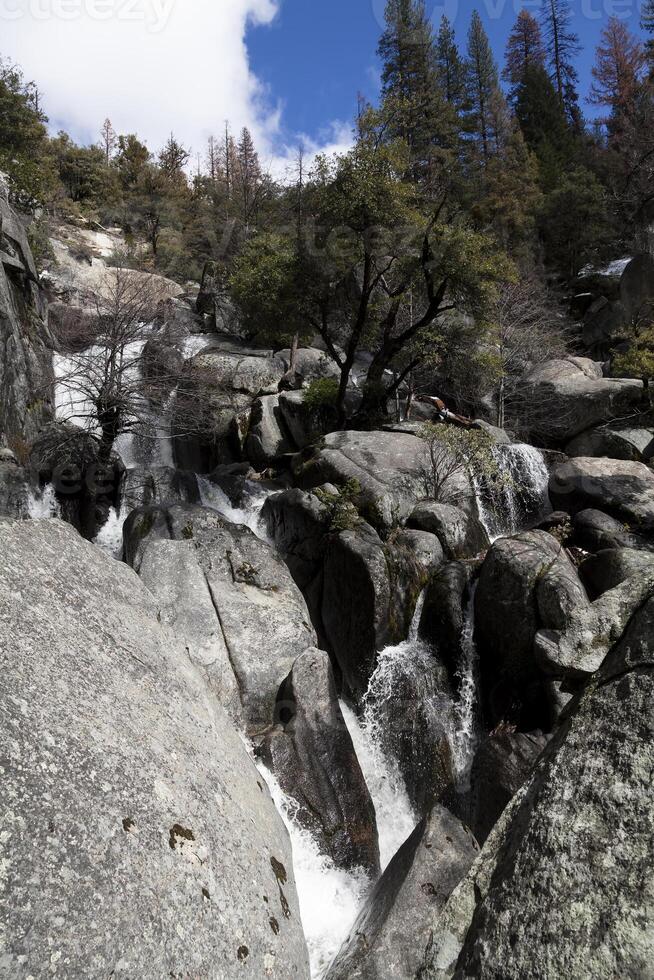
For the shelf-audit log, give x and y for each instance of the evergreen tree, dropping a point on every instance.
(544, 124)
(131, 159)
(417, 110)
(24, 151)
(563, 47)
(524, 50)
(248, 175)
(172, 160)
(618, 69)
(483, 84)
(450, 67)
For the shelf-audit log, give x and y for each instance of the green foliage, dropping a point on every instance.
(321, 393)
(38, 235)
(574, 222)
(544, 124)
(453, 457)
(638, 360)
(341, 506)
(24, 152)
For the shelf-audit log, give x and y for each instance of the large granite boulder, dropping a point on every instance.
(260, 621)
(312, 756)
(637, 288)
(461, 534)
(390, 934)
(593, 530)
(388, 467)
(634, 442)
(26, 376)
(138, 837)
(369, 592)
(564, 885)
(14, 490)
(527, 583)
(216, 391)
(502, 762)
(610, 568)
(569, 395)
(267, 437)
(623, 489)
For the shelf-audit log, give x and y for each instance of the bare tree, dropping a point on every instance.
(108, 140)
(103, 387)
(454, 459)
(527, 332)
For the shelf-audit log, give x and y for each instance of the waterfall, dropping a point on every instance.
(43, 504)
(214, 497)
(464, 736)
(520, 496)
(110, 535)
(330, 898)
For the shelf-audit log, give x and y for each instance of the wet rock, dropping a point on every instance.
(313, 757)
(596, 531)
(13, 490)
(267, 439)
(144, 486)
(394, 927)
(125, 787)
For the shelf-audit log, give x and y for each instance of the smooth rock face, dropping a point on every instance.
(138, 838)
(25, 343)
(575, 396)
(314, 760)
(389, 467)
(564, 886)
(267, 438)
(394, 927)
(526, 583)
(635, 443)
(460, 534)
(610, 568)
(595, 531)
(502, 763)
(622, 489)
(259, 611)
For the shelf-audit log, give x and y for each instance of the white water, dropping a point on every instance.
(42, 505)
(212, 496)
(110, 535)
(330, 898)
(521, 496)
(464, 738)
(395, 817)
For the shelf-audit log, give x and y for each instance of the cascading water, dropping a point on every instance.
(520, 496)
(330, 898)
(110, 535)
(464, 737)
(212, 496)
(43, 504)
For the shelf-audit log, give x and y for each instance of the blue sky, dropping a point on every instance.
(316, 56)
(288, 69)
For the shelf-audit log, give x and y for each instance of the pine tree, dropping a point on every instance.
(524, 50)
(248, 175)
(483, 83)
(544, 124)
(619, 63)
(563, 47)
(172, 160)
(450, 68)
(416, 107)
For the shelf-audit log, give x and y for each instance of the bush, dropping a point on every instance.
(321, 394)
(454, 456)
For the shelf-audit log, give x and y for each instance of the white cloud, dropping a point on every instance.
(152, 66)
